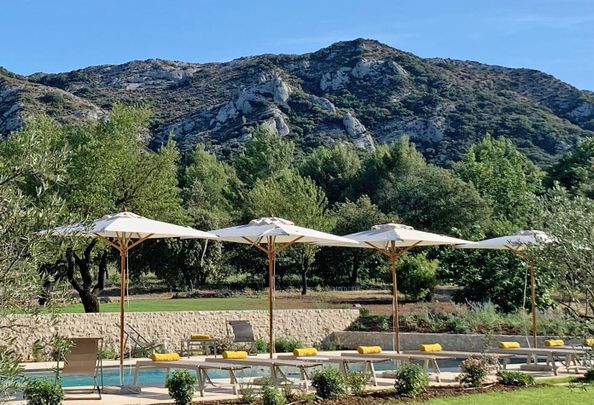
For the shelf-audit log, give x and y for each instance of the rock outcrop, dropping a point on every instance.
(359, 91)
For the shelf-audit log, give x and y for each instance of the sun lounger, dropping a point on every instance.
(140, 345)
(552, 355)
(83, 358)
(456, 354)
(201, 368)
(343, 363)
(428, 360)
(277, 375)
(243, 335)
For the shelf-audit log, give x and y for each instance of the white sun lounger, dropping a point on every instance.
(277, 375)
(201, 368)
(343, 362)
(428, 360)
(552, 355)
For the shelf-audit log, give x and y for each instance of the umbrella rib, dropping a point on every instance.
(103, 238)
(382, 251)
(255, 244)
(139, 241)
(288, 244)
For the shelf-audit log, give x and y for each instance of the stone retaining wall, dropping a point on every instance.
(449, 341)
(307, 325)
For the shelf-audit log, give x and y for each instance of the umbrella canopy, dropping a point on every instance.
(129, 225)
(259, 231)
(394, 240)
(123, 231)
(272, 235)
(402, 236)
(518, 243)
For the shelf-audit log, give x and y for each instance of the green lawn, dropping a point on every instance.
(181, 304)
(530, 396)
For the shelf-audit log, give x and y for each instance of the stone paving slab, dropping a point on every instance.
(151, 395)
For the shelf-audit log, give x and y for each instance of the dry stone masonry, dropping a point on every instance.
(169, 328)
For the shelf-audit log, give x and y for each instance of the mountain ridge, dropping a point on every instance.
(360, 91)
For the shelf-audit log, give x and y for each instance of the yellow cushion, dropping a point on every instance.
(434, 347)
(369, 349)
(199, 336)
(305, 351)
(554, 342)
(588, 342)
(509, 345)
(228, 354)
(164, 357)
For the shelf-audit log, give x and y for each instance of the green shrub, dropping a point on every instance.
(411, 380)
(43, 392)
(329, 383)
(109, 353)
(417, 277)
(181, 387)
(261, 345)
(357, 381)
(588, 375)
(272, 395)
(284, 345)
(247, 393)
(475, 369)
(515, 378)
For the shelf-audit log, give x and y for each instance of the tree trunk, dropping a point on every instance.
(303, 280)
(354, 270)
(90, 301)
(306, 261)
(87, 291)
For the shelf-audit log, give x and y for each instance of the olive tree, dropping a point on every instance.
(31, 166)
(569, 220)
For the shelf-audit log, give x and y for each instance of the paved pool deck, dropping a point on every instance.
(157, 394)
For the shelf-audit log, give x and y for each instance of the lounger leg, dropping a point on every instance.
(553, 363)
(201, 383)
(343, 368)
(372, 371)
(233, 380)
(437, 371)
(305, 376)
(273, 375)
(136, 375)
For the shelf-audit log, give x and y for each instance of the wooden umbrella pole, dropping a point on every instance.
(271, 259)
(533, 294)
(395, 314)
(123, 253)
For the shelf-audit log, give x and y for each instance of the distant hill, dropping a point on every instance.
(360, 91)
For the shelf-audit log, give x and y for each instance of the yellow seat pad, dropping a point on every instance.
(554, 342)
(509, 345)
(164, 357)
(369, 349)
(589, 342)
(433, 347)
(238, 355)
(199, 336)
(305, 351)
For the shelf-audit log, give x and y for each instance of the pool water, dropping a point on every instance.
(111, 375)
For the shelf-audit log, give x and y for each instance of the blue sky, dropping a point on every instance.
(555, 36)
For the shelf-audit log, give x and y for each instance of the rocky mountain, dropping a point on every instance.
(359, 91)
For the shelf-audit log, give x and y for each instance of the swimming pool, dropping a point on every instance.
(111, 375)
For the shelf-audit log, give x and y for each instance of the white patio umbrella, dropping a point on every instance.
(393, 241)
(273, 235)
(518, 243)
(123, 231)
